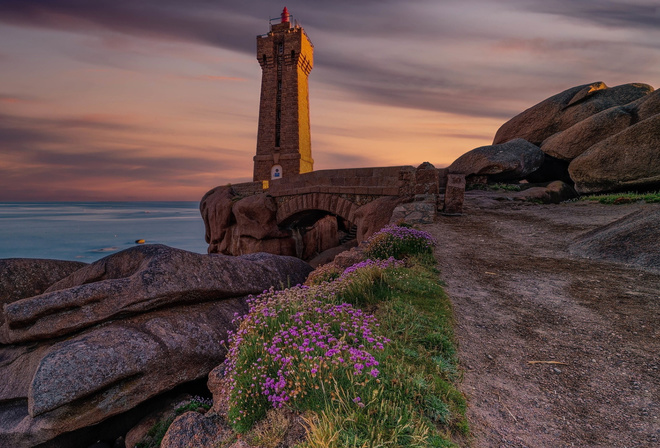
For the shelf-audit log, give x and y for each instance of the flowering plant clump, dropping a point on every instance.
(369, 263)
(294, 347)
(399, 242)
(310, 350)
(326, 273)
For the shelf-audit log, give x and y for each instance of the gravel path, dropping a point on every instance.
(557, 351)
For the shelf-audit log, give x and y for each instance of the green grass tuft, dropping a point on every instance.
(624, 198)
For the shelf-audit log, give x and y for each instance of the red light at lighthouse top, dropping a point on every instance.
(285, 15)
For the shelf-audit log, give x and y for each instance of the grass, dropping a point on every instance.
(624, 198)
(494, 187)
(366, 357)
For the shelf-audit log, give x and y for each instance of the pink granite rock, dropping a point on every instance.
(140, 279)
(110, 369)
(375, 215)
(561, 111)
(513, 160)
(625, 161)
(322, 236)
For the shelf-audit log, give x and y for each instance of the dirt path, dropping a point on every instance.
(520, 297)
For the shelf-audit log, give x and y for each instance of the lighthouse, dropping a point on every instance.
(284, 146)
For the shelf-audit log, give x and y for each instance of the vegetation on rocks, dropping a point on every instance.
(494, 187)
(624, 198)
(365, 356)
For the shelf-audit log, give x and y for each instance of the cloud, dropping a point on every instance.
(51, 154)
(216, 78)
(460, 57)
(14, 99)
(389, 73)
(609, 13)
(198, 21)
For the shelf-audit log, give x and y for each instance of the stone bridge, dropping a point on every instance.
(306, 214)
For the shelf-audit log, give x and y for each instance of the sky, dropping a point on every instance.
(158, 99)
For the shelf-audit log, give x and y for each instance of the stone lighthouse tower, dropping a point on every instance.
(284, 145)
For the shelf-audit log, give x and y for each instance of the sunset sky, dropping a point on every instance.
(158, 99)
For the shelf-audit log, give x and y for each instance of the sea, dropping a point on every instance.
(89, 231)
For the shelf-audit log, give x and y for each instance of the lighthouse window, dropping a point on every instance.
(264, 58)
(293, 54)
(281, 48)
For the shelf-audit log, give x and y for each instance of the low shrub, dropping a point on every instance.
(399, 242)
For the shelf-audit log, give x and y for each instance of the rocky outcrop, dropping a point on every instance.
(320, 237)
(279, 217)
(238, 225)
(193, 429)
(625, 161)
(561, 111)
(574, 141)
(554, 193)
(141, 279)
(515, 159)
(632, 239)
(109, 370)
(215, 207)
(255, 217)
(135, 324)
(166, 412)
(375, 215)
(27, 277)
(600, 139)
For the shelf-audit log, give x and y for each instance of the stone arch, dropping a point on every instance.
(330, 203)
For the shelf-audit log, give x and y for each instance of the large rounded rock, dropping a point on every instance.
(375, 215)
(515, 159)
(646, 106)
(554, 193)
(567, 108)
(110, 369)
(322, 236)
(255, 217)
(247, 245)
(193, 429)
(215, 208)
(140, 279)
(21, 278)
(17, 366)
(572, 142)
(27, 277)
(632, 239)
(627, 160)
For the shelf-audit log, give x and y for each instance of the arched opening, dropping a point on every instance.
(276, 172)
(319, 235)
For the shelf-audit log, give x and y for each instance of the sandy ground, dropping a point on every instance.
(521, 298)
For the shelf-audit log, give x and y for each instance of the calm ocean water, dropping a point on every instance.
(88, 231)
